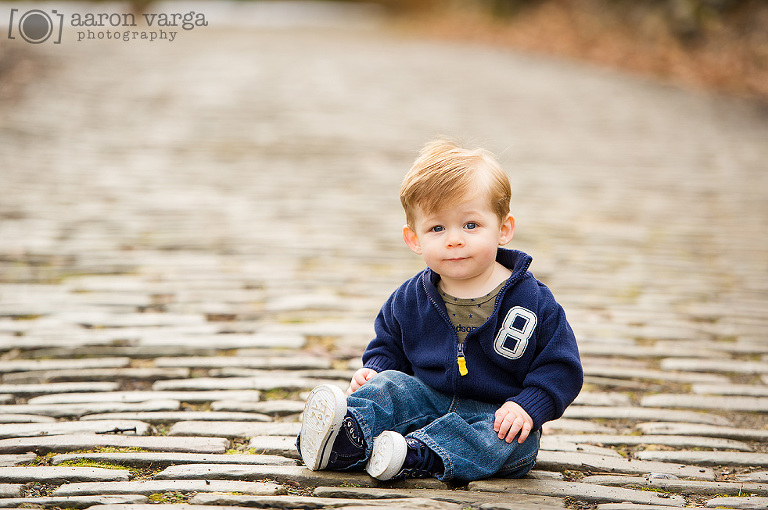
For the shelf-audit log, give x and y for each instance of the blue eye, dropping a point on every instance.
(471, 225)
(437, 228)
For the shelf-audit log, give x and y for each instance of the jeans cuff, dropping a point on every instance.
(447, 474)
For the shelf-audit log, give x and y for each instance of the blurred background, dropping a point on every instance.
(710, 44)
(265, 147)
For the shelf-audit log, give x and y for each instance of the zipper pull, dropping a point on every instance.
(462, 360)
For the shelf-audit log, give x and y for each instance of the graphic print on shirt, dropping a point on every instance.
(515, 332)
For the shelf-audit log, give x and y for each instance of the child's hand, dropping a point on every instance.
(361, 377)
(511, 419)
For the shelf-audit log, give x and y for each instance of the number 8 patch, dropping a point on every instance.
(517, 328)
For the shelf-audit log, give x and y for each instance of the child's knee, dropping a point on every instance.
(523, 458)
(392, 378)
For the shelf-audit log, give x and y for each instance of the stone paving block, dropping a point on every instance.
(275, 445)
(559, 461)
(265, 363)
(74, 427)
(143, 396)
(581, 491)
(748, 503)
(77, 410)
(58, 339)
(591, 398)
(306, 301)
(130, 301)
(66, 443)
(715, 365)
(631, 506)
(695, 429)
(14, 460)
(707, 458)
(234, 429)
(574, 425)
(754, 476)
(73, 501)
(643, 351)
(622, 384)
(166, 459)
(556, 443)
(116, 347)
(61, 474)
(677, 441)
(10, 490)
(108, 283)
(269, 407)
(361, 329)
(231, 341)
(303, 502)
(538, 474)
(25, 418)
(755, 390)
(148, 487)
(284, 474)
(26, 365)
(166, 416)
(710, 346)
(96, 374)
(462, 497)
(654, 375)
(642, 413)
(506, 505)
(615, 362)
(730, 403)
(157, 506)
(680, 486)
(243, 383)
(324, 375)
(127, 320)
(67, 387)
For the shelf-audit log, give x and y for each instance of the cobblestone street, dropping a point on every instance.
(194, 234)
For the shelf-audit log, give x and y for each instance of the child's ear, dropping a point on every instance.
(412, 240)
(506, 230)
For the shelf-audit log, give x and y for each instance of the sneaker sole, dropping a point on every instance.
(323, 415)
(388, 455)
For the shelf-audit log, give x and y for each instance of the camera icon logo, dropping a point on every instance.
(36, 26)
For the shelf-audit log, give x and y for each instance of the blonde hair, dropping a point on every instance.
(443, 174)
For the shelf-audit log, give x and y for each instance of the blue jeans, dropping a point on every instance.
(460, 431)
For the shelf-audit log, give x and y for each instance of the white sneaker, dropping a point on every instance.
(323, 415)
(388, 455)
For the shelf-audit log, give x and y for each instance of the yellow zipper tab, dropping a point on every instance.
(462, 365)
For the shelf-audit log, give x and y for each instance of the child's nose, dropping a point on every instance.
(455, 238)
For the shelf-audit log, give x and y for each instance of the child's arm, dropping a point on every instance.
(555, 376)
(385, 351)
(362, 376)
(511, 419)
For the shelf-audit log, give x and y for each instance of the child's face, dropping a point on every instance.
(460, 243)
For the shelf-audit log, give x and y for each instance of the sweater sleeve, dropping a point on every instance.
(385, 351)
(555, 377)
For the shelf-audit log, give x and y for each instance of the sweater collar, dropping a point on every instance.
(514, 260)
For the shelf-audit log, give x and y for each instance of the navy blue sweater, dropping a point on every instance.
(525, 352)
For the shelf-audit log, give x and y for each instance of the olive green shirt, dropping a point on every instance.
(469, 314)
